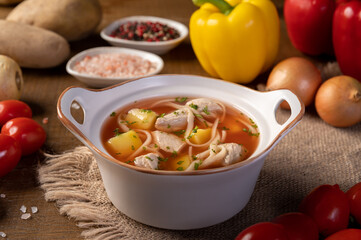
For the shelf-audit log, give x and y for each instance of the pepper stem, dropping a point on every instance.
(222, 5)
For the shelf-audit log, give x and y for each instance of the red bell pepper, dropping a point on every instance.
(309, 25)
(347, 37)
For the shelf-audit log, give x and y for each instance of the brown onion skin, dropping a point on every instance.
(297, 74)
(338, 101)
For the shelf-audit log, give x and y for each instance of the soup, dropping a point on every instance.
(179, 134)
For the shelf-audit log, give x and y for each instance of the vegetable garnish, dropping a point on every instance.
(181, 99)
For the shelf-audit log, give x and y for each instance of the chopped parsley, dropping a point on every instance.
(180, 169)
(205, 110)
(133, 148)
(174, 153)
(117, 132)
(180, 132)
(198, 115)
(112, 114)
(250, 133)
(181, 99)
(196, 166)
(194, 131)
(225, 128)
(180, 162)
(194, 106)
(162, 115)
(194, 157)
(145, 110)
(162, 159)
(147, 157)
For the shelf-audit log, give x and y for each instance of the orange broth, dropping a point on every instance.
(239, 127)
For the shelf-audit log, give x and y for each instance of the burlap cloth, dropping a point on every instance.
(313, 153)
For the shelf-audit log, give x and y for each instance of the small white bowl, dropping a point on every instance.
(98, 81)
(160, 47)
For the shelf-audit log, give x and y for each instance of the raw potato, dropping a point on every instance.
(32, 47)
(11, 79)
(72, 19)
(9, 2)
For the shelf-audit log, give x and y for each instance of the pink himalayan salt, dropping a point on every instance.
(114, 65)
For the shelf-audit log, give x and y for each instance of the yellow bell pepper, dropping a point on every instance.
(235, 40)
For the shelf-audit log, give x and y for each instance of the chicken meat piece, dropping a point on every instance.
(208, 108)
(168, 142)
(149, 161)
(173, 121)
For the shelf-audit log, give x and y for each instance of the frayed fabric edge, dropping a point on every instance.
(59, 179)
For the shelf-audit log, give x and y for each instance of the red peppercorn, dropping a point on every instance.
(145, 31)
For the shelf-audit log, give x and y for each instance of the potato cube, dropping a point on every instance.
(201, 136)
(125, 144)
(180, 163)
(141, 118)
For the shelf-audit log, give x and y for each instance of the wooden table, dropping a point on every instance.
(41, 91)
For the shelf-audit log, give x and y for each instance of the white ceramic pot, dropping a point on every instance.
(178, 200)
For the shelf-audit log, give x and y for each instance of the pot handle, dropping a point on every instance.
(274, 99)
(73, 109)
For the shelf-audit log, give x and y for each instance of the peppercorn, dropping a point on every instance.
(145, 31)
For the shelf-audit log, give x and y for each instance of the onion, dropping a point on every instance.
(338, 101)
(297, 74)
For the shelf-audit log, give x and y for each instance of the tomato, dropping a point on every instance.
(298, 226)
(329, 207)
(27, 132)
(346, 234)
(263, 231)
(10, 109)
(10, 154)
(354, 198)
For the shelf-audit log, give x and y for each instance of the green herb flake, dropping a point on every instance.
(180, 162)
(162, 115)
(144, 148)
(169, 126)
(145, 110)
(181, 99)
(194, 131)
(180, 132)
(117, 132)
(134, 136)
(194, 106)
(205, 110)
(155, 145)
(133, 148)
(147, 157)
(162, 159)
(194, 157)
(174, 153)
(198, 115)
(112, 114)
(129, 161)
(225, 128)
(180, 169)
(196, 166)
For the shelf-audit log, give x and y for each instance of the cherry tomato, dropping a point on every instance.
(298, 226)
(10, 154)
(329, 207)
(27, 132)
(10, 109)
(263, 231)
(346, 234)
(354, 198)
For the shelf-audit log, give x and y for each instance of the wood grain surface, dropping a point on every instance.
(41, 91)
